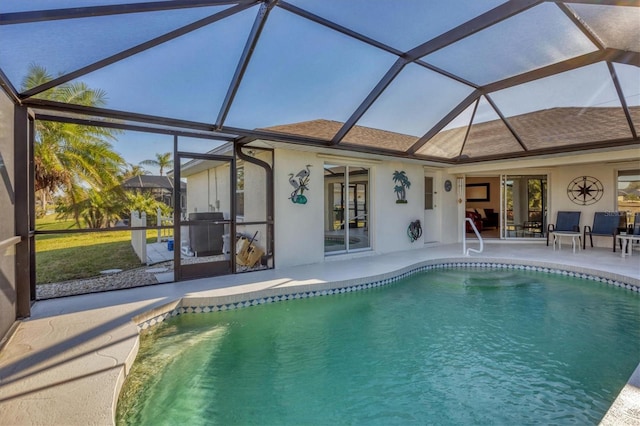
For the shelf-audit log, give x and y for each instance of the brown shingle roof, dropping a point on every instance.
(149, 182)
(358, 135)
(554, 127)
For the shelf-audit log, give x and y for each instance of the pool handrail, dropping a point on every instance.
(466, 250)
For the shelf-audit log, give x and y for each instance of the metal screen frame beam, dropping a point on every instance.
(117, 114)
(22, 217)
(479, 23)
(589, 146)
(610, 55)
(457, 110)
(135, 50)
(506, 122)
(322, 144)
(8, 88)
(243, 63)
(93, 11)
(339, 28)
(370, 99)
(269, 223)
(466, 133)
(466, 29)
(623, 101)
(367, 40)
(601, 2)
(593, 37)
(132, 127)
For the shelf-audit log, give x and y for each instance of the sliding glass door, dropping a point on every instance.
(346, 208)
(524, 206)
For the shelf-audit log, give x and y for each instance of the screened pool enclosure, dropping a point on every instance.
(441, 82)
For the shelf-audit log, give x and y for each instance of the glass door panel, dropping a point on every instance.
(524, 207)
(346, 208)
(335, 215)
(358, 232)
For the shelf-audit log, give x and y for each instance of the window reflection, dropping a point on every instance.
(346, 208)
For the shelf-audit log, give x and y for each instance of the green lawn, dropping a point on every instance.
(65, 257)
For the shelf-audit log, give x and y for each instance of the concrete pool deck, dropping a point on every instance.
(67, 362)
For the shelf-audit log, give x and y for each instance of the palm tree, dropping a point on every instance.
(71, 157)
(161, 161)
(132, 170)
(145, 202)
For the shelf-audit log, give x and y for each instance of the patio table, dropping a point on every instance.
(627, 243)
(557, 238)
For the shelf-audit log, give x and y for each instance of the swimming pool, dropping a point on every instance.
(452, 346)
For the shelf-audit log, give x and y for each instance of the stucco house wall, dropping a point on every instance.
(299, 228)
(391, 219)
(446, 213)
(562, 176)
(200, 193)
(560, 172)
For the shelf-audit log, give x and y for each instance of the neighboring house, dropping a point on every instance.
(160, 187)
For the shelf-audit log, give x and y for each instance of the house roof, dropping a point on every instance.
(150, 182)
(396, 77)
(325, 129)
(537, 130)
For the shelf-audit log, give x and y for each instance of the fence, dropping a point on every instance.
(164, 234)
(139, 237)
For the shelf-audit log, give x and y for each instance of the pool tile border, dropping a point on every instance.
(196, 304)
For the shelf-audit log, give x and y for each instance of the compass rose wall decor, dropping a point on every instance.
(585, 190)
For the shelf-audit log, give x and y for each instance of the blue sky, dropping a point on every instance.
(303, 71)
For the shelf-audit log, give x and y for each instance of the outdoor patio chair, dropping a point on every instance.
(605, 224)
(634, 229)
(565, 222)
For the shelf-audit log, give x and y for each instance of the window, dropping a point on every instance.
(428, 193)
(629, 193)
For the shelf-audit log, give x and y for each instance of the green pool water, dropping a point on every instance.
(459, 346)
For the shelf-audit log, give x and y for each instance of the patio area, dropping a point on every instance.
(68, 361)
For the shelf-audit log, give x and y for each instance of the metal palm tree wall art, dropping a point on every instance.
(299, 183)
(402, 184)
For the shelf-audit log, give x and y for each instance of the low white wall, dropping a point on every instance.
(139, 238)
